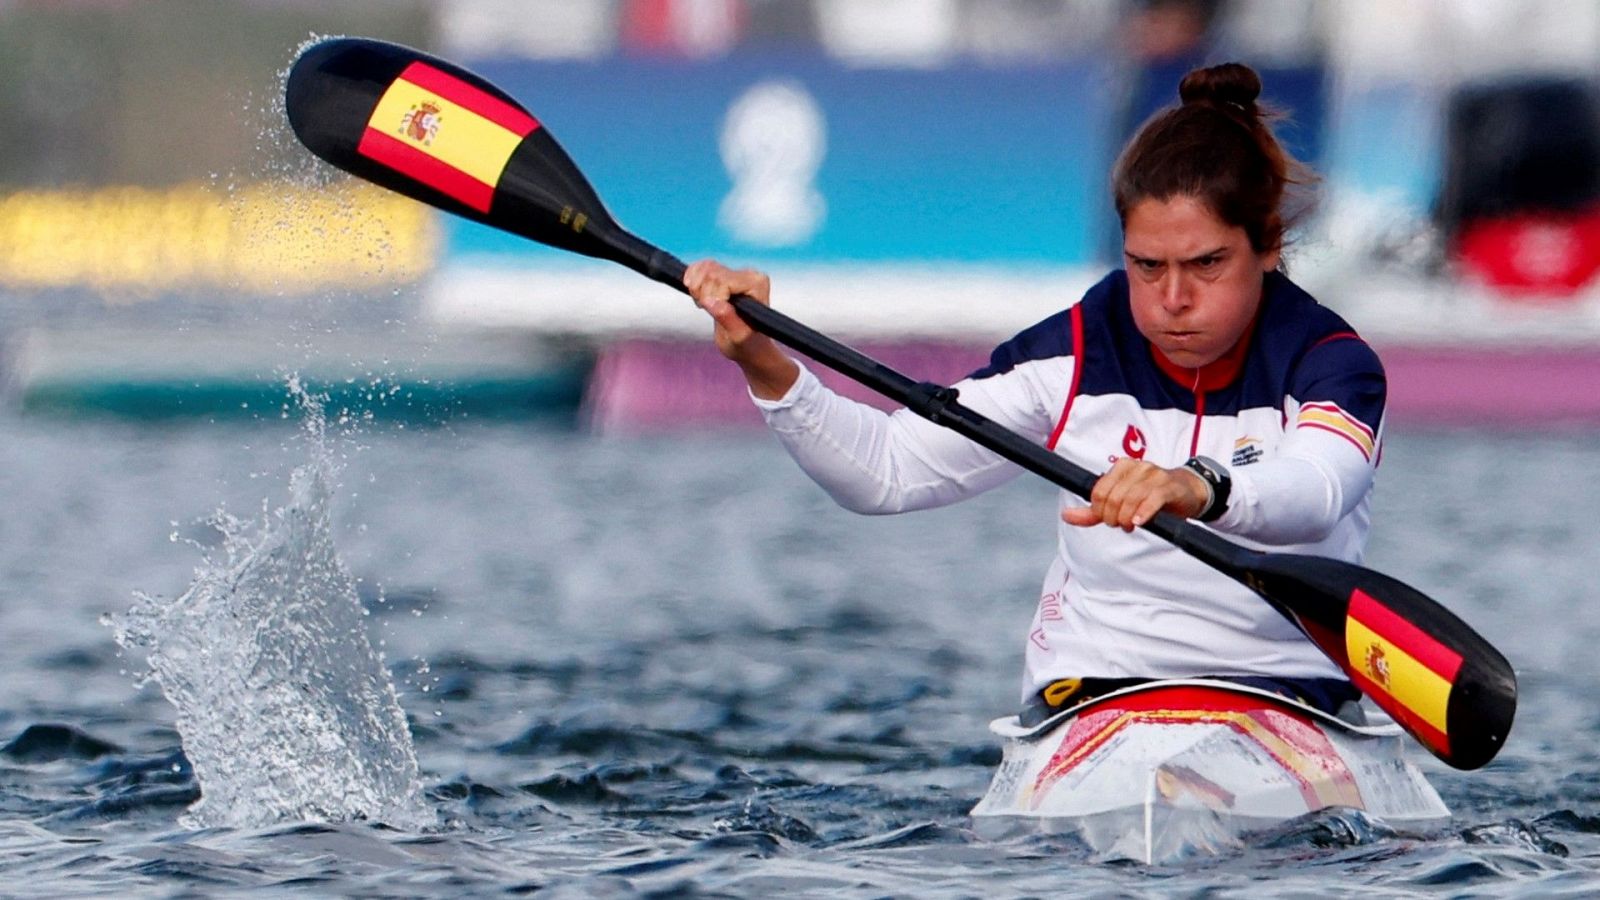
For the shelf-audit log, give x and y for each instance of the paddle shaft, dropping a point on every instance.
(941, 406)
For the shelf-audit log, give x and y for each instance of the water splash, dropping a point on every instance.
(284, 708)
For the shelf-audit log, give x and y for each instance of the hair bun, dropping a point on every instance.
(1230, 84)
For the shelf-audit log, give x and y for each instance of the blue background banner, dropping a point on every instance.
(835, 164)
(961, 164)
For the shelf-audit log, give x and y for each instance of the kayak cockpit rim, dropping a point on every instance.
(1010, 726)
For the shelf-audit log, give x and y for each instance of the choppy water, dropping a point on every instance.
(670, 665)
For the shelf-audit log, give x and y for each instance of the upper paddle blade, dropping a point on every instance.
(433, 131)
(1438, 678)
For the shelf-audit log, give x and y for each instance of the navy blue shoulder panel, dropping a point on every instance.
(1046, 340)
(1311, 353)
(1299, 348)
(1343, 369)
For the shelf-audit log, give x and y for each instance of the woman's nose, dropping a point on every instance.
(1175, 296)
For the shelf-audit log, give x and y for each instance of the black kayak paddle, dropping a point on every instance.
(442, 135)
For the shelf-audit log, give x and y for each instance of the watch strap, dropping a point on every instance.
(1219, 483)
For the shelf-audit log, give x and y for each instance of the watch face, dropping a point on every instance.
(1209, 469)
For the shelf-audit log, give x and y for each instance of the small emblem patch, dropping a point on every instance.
(1246, 450)
(421, 123)
(1133, 443)
(1377, 665)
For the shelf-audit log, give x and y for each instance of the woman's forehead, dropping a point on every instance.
(1180, 225)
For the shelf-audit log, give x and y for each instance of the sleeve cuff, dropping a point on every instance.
(803, 386)
(1241, 496)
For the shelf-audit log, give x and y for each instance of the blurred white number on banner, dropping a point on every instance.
(773, 142)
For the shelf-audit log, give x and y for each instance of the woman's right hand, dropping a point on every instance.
(768, 369)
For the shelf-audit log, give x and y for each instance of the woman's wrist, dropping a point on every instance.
(770, 372)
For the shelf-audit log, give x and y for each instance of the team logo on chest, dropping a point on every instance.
(1246, 450)
(1133, 443)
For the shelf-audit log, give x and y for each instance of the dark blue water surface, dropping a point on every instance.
(670, 665)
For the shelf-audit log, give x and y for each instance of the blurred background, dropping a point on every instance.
(668, 659)
(923, 177)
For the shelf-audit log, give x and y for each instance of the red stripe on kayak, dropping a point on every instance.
(1251, 717)
(427, 169)
(461, 93)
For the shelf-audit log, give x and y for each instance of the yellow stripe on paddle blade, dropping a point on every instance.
(464, 140)
(1419, 688)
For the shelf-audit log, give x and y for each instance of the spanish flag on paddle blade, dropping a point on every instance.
(445, 133)
(1389, 655)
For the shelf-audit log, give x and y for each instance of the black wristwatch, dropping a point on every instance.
(1218, 480)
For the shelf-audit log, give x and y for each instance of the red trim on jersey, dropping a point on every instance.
(1337, 410)
(1214, 375)
(1336, 336)
(1077, 375)
(1199, 417)
(1365, 454)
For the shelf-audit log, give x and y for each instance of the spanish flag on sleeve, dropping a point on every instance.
(1329, 417)
(445, 133)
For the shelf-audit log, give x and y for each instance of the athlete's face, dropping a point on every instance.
(1193, 280)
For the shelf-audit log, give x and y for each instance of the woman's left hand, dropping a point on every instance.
(1132, 491)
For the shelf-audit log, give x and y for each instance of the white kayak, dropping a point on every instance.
(1171, 769)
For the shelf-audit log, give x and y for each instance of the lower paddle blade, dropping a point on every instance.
(1438, 678)
(433, 131)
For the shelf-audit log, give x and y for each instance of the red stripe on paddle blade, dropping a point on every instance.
(459, 92)
(1413, 641)
(425, 169)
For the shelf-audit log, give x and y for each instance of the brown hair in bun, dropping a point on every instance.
(1218, 147)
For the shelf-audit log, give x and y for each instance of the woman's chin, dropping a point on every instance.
(1188, 357)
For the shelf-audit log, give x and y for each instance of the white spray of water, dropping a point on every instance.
(284, 708)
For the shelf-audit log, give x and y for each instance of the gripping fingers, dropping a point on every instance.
(1129, 486)
(708, 285)
(1146, 510)
(712, 284)
(1127, 496)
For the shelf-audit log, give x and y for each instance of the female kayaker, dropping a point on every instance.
(1214, 386)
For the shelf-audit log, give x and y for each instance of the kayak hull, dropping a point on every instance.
(1177, 768)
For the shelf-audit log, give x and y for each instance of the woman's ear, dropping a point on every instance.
(1270, 259)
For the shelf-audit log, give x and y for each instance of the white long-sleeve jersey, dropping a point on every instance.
(1295, 412)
